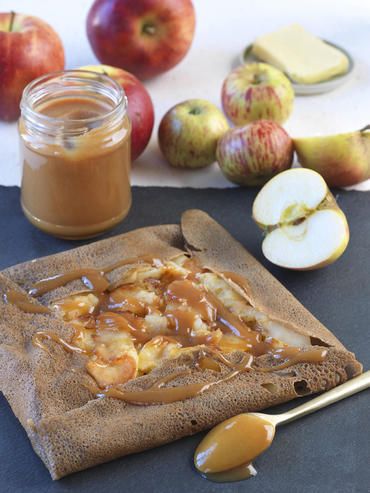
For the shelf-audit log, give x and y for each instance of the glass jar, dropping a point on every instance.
(75, 152)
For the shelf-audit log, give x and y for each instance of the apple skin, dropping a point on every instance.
(257, 91)
(342, 159)
(189, 132)
(140, 105)
(32, 48)
(146, 37)
(253, 154)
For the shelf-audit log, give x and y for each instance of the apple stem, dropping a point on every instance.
(257, 79)
(195, 111)
(365, 128)
(12, 17)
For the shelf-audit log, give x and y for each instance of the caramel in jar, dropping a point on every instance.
(75, 151)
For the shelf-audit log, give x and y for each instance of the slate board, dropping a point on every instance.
(325, 452)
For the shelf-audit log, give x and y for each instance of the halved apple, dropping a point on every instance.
(305, 229)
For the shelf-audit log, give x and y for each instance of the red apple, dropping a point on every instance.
(140, 106)
(252, 154)
(145, 37)
(257, 91)
(28, 48)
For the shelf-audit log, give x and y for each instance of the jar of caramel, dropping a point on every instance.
(75, 151)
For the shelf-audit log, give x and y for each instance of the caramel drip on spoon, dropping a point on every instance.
(239, 473)
(227, 451)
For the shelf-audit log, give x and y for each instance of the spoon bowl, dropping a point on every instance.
(227, 451)
(221, 448)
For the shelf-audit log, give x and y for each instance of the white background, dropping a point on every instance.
(224, 27)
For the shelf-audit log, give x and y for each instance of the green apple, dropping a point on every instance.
(252, 154)
(305, 229)
(342, 159)
(256, 91)
(189, 132)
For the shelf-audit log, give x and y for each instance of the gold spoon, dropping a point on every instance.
(227, 451)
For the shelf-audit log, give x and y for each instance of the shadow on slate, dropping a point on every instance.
(326, 452)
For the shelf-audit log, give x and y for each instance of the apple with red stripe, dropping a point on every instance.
(140, 106)
(257, 91)
(29, 47)
(252, 154)
(145, 37)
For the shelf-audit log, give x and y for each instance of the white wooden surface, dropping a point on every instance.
(223, 29)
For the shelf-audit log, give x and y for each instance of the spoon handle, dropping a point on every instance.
(351, 387)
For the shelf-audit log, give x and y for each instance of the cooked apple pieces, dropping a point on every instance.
(160, 309)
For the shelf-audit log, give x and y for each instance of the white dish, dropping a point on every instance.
(308, 89)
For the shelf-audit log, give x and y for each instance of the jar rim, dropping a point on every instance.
(100, 77)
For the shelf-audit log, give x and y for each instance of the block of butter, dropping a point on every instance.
(305, 58)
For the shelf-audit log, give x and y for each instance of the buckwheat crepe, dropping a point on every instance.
(71, 429)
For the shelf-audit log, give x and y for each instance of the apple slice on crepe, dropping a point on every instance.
(304, 225)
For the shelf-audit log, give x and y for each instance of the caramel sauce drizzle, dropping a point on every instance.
(196, 299)
(233, 324)
(212, 310)
(92, 278)
(156, 394)
(207, 363)
(294, 356)
(41, 335)
(160, 382)
(127, 315)
(124, 321)
(21, 300)
(239, 280)
(128, 304)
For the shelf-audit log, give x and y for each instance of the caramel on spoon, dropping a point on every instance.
(227, 451)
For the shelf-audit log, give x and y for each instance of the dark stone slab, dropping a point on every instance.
(326, 452)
